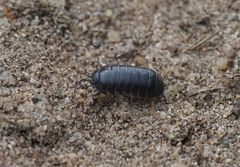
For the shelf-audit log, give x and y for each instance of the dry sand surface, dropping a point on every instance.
(50, 115)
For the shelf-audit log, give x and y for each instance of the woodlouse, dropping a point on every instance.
(128, 80)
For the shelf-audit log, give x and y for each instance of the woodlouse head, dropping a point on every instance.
(96, 80)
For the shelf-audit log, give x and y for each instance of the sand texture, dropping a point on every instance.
(50, 115)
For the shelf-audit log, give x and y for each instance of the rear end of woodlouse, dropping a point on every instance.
(129, 81)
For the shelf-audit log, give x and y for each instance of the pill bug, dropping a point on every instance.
(128, 80)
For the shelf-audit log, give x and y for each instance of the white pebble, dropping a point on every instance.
(222, 63)
(113, 36)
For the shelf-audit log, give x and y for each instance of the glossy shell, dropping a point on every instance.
(128, 81)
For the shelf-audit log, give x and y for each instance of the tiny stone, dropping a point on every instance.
(35, 21)
(139, 60)
(158, 147)
(3, 74)
(108, 13)
(84, 27)
(97, 42)
(7, 77)
(3, 22)
(35, 100)
(55, 3)
(34, 82)
(113, 36)
(103, 61)
(163, 115)
(5, 92)
(26, 107)
(222, 63)
(228, 49)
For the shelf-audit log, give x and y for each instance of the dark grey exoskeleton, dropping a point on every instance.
(127, 80)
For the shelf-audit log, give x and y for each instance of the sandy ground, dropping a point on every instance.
(51, 116)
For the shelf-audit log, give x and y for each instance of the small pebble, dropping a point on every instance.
(34, 82)
(229, 49)
(222, 63)
(5, 92)
(113, 36)
(228, 160)
(139, 60)
(103, 61)
(108, 13)
(55, 3)
(35, 100)
(97, 42)
(7, 77)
